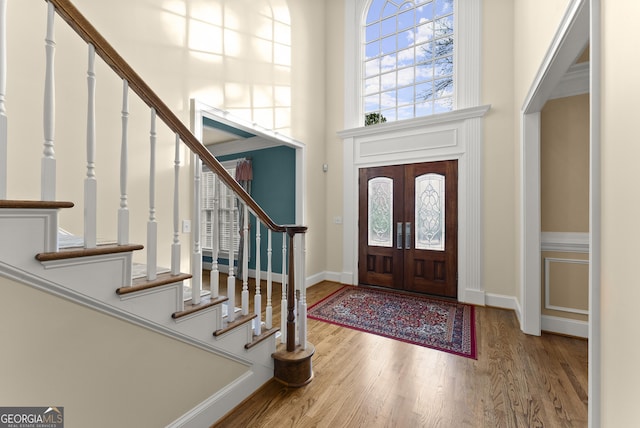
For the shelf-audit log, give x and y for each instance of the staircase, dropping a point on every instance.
(101, 276)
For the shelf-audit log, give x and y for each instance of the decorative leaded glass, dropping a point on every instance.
(380, 212)
(429, 202)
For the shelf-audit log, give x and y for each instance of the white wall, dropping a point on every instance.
(620, 212)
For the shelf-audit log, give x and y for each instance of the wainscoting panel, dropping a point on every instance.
(565, 282)
(566, 285)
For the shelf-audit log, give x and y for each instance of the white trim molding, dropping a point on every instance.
(568, 43)
(565, 326)
(455, 135)
(574, 82)
(565, 242)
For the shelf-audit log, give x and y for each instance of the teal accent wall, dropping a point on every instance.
(274, 189)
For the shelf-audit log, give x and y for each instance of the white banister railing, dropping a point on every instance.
(214, 279)
(90, 183)
(175, 246)
(152, 225)
(283, 300)
(293, 311)
(123, 211)
(48, 169)
(196, 257)
(3, 91)
(257, 302)
(245, 260)
(302, 305)
(269, 310)
(231, 279)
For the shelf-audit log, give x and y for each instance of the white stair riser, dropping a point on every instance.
(201, 324)
(156, 304)
(27, 233)
(95, 276)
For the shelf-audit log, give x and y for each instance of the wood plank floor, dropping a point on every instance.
(363, 380)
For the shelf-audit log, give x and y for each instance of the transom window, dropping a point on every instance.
(408, 63)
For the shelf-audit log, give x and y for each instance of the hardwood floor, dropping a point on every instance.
(363, 380)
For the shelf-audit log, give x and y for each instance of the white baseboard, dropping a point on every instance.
(474, 297)
(310, 280)
(504, 302)
(223, 401)
(566, 326)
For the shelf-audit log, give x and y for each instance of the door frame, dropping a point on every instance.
(581, 22)
(455, 135)
(404, 255)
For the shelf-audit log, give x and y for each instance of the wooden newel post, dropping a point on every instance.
(292, 365)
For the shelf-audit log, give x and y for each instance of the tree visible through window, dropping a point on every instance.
(408, 65)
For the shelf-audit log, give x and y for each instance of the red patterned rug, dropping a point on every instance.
(437, 324)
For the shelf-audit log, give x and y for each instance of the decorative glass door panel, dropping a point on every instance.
(380, 213)
(430, 212)
(408, 227)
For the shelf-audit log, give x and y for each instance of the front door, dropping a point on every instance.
(408, 227)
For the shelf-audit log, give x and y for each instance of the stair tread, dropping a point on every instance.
(144, 284)
(243, 319)
(74, 252)
(19, 203)
(266, 333)
(204, 304)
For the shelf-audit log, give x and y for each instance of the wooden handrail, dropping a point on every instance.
(104, 50)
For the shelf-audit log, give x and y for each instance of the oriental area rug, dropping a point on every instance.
(436, 324)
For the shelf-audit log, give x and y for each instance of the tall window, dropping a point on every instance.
(408, 62)
(213, 189)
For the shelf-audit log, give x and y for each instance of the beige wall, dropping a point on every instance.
(620, 209)
(564, 197)
(564, 165)
(334, 123)
(498, 170)
(98, 367)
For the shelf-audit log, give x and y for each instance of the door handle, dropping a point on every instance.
(399, 236)
(407, 235)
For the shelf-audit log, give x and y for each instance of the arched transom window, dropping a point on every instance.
(408, 59)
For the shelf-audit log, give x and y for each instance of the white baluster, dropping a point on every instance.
(257, 303)
(123, 212)
(283, 301)
(231, 280)
(245, 261)
(196, 258)
(48, 173)
(175, 247)
(269, 313)
(296, 284)
(214, 279)
(152, 226)
(3, 91)
(302, 305)
(90, 183)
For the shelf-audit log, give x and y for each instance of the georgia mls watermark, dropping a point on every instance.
(31, 417)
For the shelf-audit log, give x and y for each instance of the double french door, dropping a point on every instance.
(408, 227)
